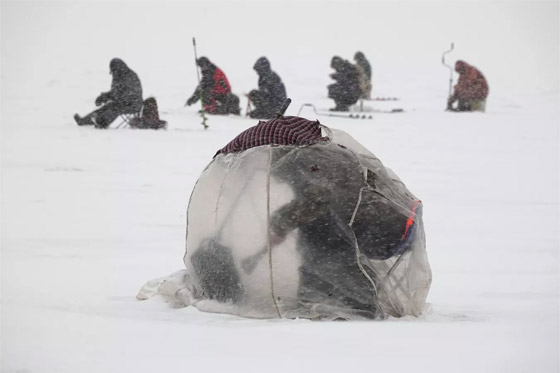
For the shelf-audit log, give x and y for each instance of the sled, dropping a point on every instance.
(350, 114)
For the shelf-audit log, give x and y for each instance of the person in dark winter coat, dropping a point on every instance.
(346, 91)
(125, 97)
(214, 90)
(364, 71)
(315, 210)
(271, 95)
(470, 91)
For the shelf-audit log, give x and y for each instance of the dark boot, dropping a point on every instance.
(85, 121)
(232, 103)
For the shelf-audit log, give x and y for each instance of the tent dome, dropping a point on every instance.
(292, 219)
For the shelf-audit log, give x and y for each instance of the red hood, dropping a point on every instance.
(461, 66)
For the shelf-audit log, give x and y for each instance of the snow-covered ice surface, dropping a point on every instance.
(89, 216)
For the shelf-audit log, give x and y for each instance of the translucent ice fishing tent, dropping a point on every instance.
(292, 219)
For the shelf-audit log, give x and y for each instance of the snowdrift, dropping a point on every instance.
(294, 220)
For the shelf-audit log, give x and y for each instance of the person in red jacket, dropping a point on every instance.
(214, 90)
(470, 91)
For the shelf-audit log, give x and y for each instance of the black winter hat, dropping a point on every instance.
(203, 62)
(336, 61)
(117, 66)
(262, 64)
(359, 56)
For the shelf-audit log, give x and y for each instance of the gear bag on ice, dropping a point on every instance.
(291, 219)
(149, 116)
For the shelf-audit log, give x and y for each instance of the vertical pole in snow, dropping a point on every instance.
(268, 245)
(450, 69)
(202, 112)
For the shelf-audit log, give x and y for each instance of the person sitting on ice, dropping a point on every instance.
(316, 176)
(125, 97)
(346, 91)
(270, 96)
(214, 90)
(364, 71)
(471, 90)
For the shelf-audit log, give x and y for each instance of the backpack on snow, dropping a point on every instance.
(149, 116)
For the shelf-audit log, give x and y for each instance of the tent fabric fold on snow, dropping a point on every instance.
(286, 222)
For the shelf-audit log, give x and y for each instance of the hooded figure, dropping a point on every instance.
(125, 97)
(214, 90)
(346, 91)
(471, 89)
(364, 70)
(271, 95)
